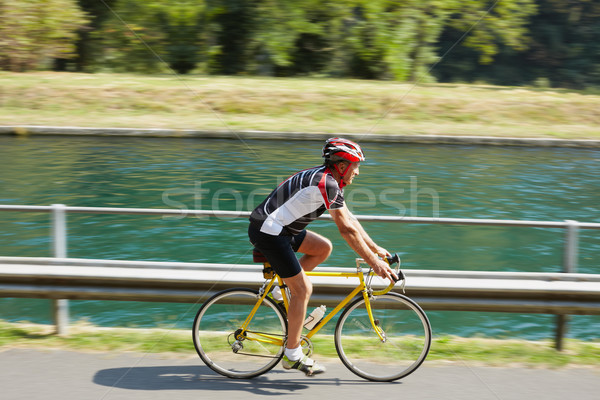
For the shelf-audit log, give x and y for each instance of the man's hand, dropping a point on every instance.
(381, 252)
(382, 269)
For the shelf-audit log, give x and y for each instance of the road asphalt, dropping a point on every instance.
(62, 374)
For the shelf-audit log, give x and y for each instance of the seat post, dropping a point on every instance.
(259, 257)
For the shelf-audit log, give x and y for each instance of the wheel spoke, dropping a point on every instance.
(400, 321)
(261, 346)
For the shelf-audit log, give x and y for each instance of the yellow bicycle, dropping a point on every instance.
(380, 335)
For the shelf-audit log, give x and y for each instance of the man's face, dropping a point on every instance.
(351, 173)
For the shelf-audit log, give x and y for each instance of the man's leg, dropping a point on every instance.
(300, 290)
(316, 249)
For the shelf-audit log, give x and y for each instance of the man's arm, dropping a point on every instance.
(380, 251)
(351, 231)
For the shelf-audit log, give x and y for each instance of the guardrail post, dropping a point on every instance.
(562, 321)
(571, 247)
(59, 247)
(570, 254)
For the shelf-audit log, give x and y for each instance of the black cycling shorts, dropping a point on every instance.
(279, 250)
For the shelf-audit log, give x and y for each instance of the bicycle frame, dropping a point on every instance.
(362, 287)
(380, 336)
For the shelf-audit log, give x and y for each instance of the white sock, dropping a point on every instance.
(294, 354)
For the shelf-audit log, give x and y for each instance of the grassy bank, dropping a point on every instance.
(444, 349)
(299, 105)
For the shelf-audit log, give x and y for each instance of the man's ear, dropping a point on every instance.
(343, 165)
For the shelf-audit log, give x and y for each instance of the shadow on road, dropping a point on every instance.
(202, 378)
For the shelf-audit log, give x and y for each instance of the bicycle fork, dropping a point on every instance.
(375, 323)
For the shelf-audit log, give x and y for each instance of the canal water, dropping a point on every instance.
(447, 181)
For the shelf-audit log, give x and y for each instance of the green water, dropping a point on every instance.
(409, 180)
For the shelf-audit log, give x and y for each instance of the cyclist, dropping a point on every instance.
(277, 229)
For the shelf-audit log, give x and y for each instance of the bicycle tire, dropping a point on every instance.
(214, 333)
(407, 331)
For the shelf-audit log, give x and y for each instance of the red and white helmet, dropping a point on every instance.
(344, 148)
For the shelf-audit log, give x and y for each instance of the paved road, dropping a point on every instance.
(68, 375)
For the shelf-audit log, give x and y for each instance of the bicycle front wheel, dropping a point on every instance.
(403, 324)
(234, 353)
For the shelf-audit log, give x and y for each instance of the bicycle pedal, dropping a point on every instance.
(307, 346)
(237, 346)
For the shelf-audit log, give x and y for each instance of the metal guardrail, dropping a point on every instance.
(59, 211)
(67, 278)
(555, 293)
(194, 282)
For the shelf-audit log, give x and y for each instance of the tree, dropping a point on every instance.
(565, 48)
(143, 35)
(233, 24)
(88, 47)
(276, 26)
(380, 39)
(375, 39)
(362, 38)
(395, 38)
(33, 32)
(260, 37)
(557, 46)
(491, 25)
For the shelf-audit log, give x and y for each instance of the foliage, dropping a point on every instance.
(382, 39)
(33, 32)
(399, 36)
(504, 22)
(546, 43)
(88, 47)
(561, 50)
(144, 36)
(565, 48)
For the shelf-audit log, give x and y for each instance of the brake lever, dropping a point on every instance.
(393, 259)
(400, 276)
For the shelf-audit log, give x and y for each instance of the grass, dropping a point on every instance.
(298, 104)
(444, 350)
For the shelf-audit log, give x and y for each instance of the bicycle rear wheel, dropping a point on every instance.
(407, 332)
(219, 320)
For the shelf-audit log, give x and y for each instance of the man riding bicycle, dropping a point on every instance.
(277, 229)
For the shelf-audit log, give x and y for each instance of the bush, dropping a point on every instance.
(33, 32)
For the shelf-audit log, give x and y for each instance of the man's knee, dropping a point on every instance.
(327, 247)
(305, 290)
(316, 245)
(308, 288)
(300, 286)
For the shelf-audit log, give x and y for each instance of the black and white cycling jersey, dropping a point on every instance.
(297, 201)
